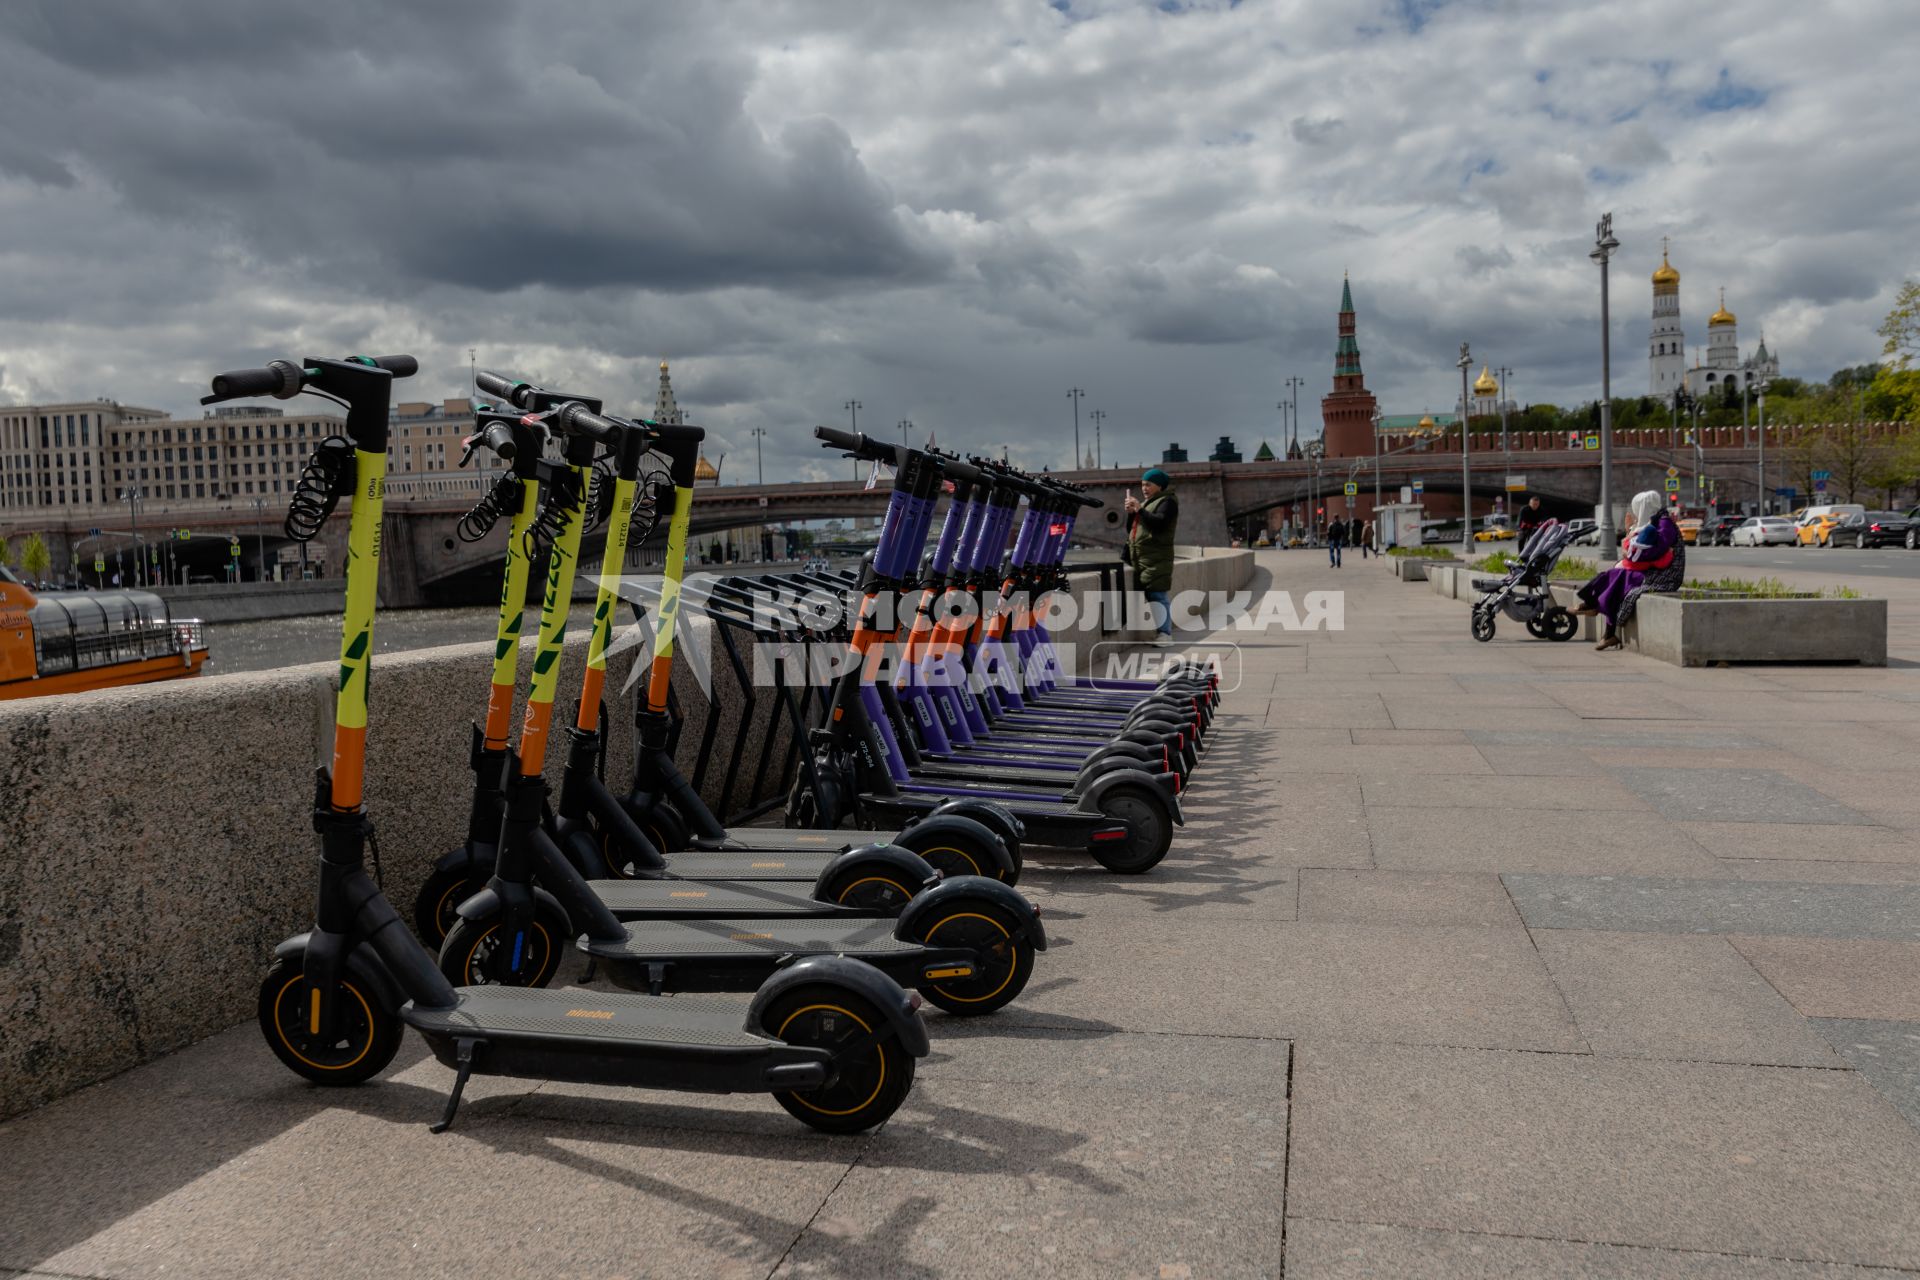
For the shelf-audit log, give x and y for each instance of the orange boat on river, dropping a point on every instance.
(72, 641)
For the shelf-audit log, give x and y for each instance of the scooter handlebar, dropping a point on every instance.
(576, 418)
(281, 379)
(398, 366)
(497, 437)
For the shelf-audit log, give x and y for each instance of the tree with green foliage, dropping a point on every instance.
(1901, 328)
(6, 552)
(35, 559)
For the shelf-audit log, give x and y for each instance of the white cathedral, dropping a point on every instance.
(1667, 347)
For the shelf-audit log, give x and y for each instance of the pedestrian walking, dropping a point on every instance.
(1152, 519)
(1366, 540)
(1531, 518)
(1336, 539)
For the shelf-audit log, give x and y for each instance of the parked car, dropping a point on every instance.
(1585, 532)
(1497, 530)
(1870, 529)
(1718, 531)
(1765, 531)
(1689, 529)
(1816, 523)
(1913, 529)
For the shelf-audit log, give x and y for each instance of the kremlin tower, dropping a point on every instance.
(1346, 413)
(1667, 343)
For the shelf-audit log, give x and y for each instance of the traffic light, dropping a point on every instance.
(1319, 511)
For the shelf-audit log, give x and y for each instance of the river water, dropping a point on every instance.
(290, 642)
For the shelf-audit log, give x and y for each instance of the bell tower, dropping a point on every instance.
(1346, 413)
(1667, 342)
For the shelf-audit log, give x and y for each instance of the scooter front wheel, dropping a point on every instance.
(478, 953)
(366, 1036)
(866, 1086)
(1003, 959)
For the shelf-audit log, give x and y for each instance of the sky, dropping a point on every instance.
(951, 213)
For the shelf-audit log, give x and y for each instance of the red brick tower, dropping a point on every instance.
(1346, 413)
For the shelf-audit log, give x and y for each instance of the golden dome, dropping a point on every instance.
(704, 470)
(1486, 384)
(1426, 423)
(1722, 316)
(1666, 274)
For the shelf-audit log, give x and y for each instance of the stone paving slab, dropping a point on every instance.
(1465, 713)
(1796, 842)
(1408, 737)
(1736, 795)
(1591, 736)
(1840, 978)
(1779, 1162)
(1423, 758)
(1432, 790)
(1540, 762)
(1069, 1181)
(1404, 897)
(1650, 904)
(1325, 1250)
(1818, 872)
(1886, 1053)
(1642, 995)
(1319, 711)
(1590, 842)
(1436, 985)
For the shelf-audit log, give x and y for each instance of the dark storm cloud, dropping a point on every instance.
(951, 213)
(457, 143)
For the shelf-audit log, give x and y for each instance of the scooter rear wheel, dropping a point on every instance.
(366, 1039)
(1151, 828)
(437, 907)
(471, 955)
(1002, 963)
(868, 1086)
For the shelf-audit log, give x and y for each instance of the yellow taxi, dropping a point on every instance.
(1690, 529)
(1816, 524)
(1497, 530)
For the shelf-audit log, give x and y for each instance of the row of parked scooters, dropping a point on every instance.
(951, 717)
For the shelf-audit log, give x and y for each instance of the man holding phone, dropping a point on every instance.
(1152, 518)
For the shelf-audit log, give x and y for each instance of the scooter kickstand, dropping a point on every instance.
(466, 1048)
(656, 978)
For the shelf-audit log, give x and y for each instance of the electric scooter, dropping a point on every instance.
(590, 827)
(967, 943)
(834, 1041)
(1123, 817)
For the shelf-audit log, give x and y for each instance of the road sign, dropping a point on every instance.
(1593, 442)
(99, 564)
(1673, 484)
(1823, 475)
(184, 535)
(1820, 486)
(93, 533)
(1350, 488)
(233, 548)
(1406, 493)
(1516, 484)
(1672, 472)
(1419, 486)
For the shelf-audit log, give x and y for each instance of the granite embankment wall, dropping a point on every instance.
(155, 841)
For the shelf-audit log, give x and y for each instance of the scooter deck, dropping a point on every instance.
(683, 899)
(749, 941)
(598, 1017)
(756, 840)
(790, 866)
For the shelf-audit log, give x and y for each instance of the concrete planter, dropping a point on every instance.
(1414, 568)
(1695, 633)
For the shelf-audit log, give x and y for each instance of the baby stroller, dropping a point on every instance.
(1523, 594)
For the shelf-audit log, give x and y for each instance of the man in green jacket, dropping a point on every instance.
(1153, 517)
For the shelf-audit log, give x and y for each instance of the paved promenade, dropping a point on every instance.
(1472, 961)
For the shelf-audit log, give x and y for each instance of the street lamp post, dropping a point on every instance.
(759, 459)
(133, 516)
(259, 538)
(1603, 246)
(1098, 416)
(1466, 464)
(1505, 447)
(1074, 394)
(1760, 468)
(1293, 403)
(1378, 417)
(906, 425)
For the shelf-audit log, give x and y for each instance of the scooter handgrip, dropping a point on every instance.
(578, 419)
(848, 440)
(501, 388)
(497, 437)
(279, 378)
(398, 366)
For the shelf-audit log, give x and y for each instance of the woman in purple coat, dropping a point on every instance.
(1652, 558)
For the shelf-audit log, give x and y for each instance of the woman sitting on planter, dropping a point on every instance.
(1652, 558)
